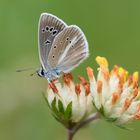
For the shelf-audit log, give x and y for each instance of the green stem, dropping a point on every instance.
(71, 132)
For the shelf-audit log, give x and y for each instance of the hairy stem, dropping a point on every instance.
(71, 132)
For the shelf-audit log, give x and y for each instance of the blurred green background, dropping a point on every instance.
(112, 28)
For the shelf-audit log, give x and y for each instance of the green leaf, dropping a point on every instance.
(102, 111)
(111, 119)
(68, 111)
(60, 106)
(56, 112)
(58, 119)
(124, 128)
(53, 105)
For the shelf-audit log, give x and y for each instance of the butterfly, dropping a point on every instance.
(61, 47)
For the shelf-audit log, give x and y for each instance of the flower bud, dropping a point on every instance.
(70, 103)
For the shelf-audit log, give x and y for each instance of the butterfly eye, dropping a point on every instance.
(42, 72)
(47, 28)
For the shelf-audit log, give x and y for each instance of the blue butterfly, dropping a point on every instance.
(61, 47)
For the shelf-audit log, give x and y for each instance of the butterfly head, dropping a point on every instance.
(50, 75)
(41, 72)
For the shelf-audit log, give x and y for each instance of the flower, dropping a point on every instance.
(116, 94)
(70, 103)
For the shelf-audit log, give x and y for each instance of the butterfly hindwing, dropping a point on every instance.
(69, 49)
(49, 27)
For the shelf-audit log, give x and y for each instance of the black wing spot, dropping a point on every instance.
(53, 56)
(67, 38)
(43, 30)
(55, 46)
(61, 42)
(54, 32)
(70, 41)
(47, 28)
(51, 29)
(72, 46)
(47, 42)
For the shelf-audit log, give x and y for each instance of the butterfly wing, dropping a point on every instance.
(49, 27)
(69, 49)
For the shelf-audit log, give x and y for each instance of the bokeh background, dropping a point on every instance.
(112, 28)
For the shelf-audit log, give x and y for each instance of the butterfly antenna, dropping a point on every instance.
(26, 69)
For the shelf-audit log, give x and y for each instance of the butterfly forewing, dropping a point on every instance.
(69, 49)
(49, 27)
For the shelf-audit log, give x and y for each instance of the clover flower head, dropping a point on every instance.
(70, 103)
(116, 94)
